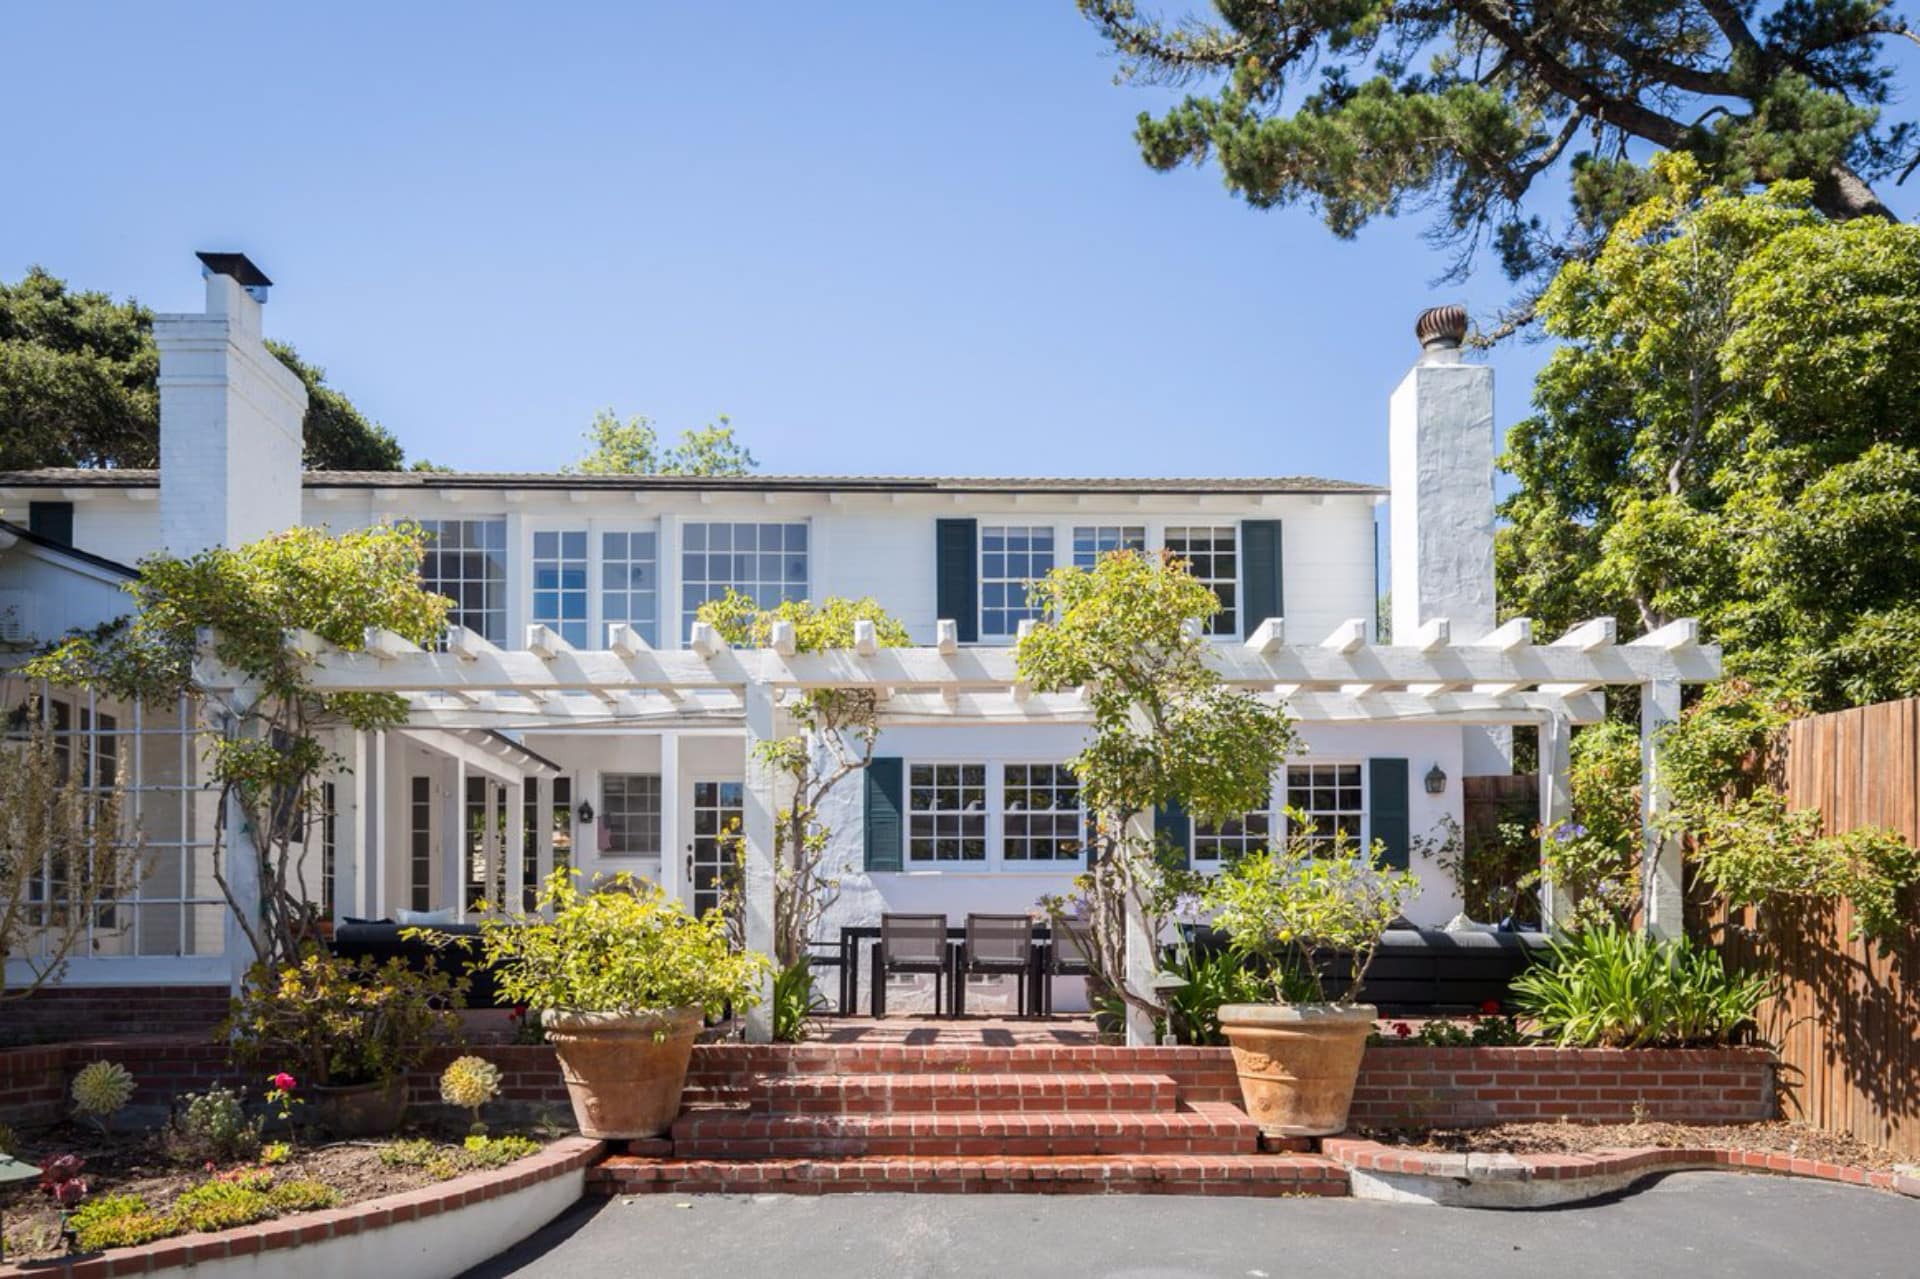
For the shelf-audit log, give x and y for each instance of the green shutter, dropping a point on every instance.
(1387, 806)
(1260, 567)
(51, 520)
(883, 813)
(1172, 831)
(957, 575)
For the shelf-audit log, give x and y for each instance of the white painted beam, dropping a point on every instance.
(626, 642)
(1268, 636)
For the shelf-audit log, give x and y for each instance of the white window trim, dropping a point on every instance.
(997, 815)
(1276, 809)
(996, 864)
(674, 530)
(521, 586)
(990, 771)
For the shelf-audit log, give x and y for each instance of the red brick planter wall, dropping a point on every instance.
(61, 1013)
(1412, 1086)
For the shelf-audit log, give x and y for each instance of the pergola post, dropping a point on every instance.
(1660, 865)
(453, 840)
(241, 870)
(1556, 804)
(760, 806)
(1142, 949)
(516, 820)
(349, 834)
(671, 851)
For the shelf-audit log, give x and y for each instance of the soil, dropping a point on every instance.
(1543, 1139)
(139, 1164)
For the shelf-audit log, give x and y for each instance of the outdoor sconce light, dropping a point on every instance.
(1436, 781)
(584, 812)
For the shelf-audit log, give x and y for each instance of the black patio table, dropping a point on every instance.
(852, 935)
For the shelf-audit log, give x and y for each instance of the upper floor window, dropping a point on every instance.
(1212, 556)
(466, 561)
(560, 583)
(947, 813)
(1040, 814)
(1332, 799)
(1011, 556)
(1091, 541)
(765, 561)
(630, 582)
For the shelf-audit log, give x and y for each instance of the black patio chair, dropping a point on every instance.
(1070, 955)
(911, 944)
(1001, 945)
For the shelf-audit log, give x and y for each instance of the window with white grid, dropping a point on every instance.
(560, 583)
(947, 813)
(766, 562)
(1011, 556)
(630, 582)
(1212, 556)
(1041, 820)
(1332, 799)
(1091, 541)
(466, 561)
(1223, 842)
(630, 808)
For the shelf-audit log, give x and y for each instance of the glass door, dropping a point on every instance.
(717, 813)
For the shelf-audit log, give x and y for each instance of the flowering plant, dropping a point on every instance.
(280, 1095)
(62, 1181)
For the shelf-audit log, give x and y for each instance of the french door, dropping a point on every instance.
(717, 813)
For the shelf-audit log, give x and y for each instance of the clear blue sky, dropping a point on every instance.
(883, 236)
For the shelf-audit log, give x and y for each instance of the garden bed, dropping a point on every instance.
(1779, 1137)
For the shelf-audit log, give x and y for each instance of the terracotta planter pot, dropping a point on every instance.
(362, 1110)
(624, 1071)
(1298, 1063)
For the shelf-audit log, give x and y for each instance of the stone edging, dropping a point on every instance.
(1494, 1180)
(570, 1154)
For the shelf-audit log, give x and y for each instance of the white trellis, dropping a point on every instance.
(1500, 678)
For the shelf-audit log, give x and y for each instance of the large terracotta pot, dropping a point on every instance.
(624, 1071)
(1298, 1063)
(362, 1110)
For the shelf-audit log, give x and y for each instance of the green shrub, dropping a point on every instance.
(442, 1161)
(413, 1152)
(794, 1002)
(302, 1196)
(116, 1221)
(1616, 988)
(214, 1125)
(1221, 977)
(343, 1021)
(497, 1152)
(220, 1205)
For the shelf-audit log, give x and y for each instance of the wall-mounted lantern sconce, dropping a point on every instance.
(584, 812)
(1436, 781)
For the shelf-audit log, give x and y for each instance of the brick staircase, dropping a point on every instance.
(818, 1118)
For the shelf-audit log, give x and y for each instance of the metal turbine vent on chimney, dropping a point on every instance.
(1441, 328)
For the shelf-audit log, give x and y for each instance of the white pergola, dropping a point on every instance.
(1499, 678)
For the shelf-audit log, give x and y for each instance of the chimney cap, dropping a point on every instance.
(1441, 328)
(237, 265)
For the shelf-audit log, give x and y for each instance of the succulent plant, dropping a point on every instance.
(471, 1082)
(100, 1091)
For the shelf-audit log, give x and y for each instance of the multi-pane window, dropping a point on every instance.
(1230, 840)
(630, 582)
(1212, 556)
(947, 813)
(1041, 819)
(766, 562)
(420, 843)
(466, 561)
(1091, 541)
(329, 847)
(558, 813)
(560, 583)
(1011, 556)
(1332, 800)
(630, 814)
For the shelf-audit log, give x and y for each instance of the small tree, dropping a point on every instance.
(838, 727)
(1165, 728)
(64, 855)
(632, 447)
(267, 742)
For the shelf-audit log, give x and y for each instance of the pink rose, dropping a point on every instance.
(284, 1082)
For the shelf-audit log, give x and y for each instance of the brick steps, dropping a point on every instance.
(874, 1092)
(1202, 1129)
(1235, 1175)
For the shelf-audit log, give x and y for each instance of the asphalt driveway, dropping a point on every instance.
(1693, 1224)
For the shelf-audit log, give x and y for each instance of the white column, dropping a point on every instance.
(516, 847)
(672, 855)
(1556, 803)
(1660, 873)
(349, 794)
(761, 803)
(543, 828)
(1143, 960)
(240, 866)
(453, 839)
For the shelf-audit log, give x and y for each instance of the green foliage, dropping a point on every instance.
(1495, 869)
(101, 1090)
(343, 1021)
(838, 728)
(213, 1125)
(475, 1154)
(220, 1205)
(1731, 432)
(470, 1082)
(1227, 976)
(117, 1221)
(1481, 1032)
(1296, 906)
(480, 1151)
(1611, 987)
(79, 386)
(633, 447)
(1165, 727)
(795, 1004)
(625, 947)
(122, 1221)
(1363, 109)
(275, 752)
(1594, 860)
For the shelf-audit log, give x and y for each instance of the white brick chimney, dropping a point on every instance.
(230, 418)
(1440, 466)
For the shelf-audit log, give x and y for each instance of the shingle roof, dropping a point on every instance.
(1298, 484)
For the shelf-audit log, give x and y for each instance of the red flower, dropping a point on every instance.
(283, 1082)
(1401, 1029)
(1490, 1007)
(519, 1012)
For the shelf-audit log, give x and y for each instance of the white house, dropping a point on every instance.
(618, 781)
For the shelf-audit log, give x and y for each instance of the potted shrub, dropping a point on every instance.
(1311, 913)
(623, 977)
(350, 1028)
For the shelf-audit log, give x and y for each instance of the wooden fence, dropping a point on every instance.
(1847, 1019)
